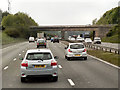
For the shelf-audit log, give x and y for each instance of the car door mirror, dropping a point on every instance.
(21, 58)
(56, 57)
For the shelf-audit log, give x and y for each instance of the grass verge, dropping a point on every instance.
(9, 40)
(113, 39)
(109, 57)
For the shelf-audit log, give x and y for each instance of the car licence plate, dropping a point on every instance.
(77, 55)
(39, 66)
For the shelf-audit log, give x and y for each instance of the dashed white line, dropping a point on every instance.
(19, 54)
(14, 59)
(71, 82)
(60, 66)
(23, 51)
(6, 68)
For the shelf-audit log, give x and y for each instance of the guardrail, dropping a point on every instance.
(96, 47)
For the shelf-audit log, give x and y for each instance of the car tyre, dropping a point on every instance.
(85, 58)
(68, 58)
(23, 79)
(55, 79)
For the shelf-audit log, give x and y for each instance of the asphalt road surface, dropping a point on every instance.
(89, 73)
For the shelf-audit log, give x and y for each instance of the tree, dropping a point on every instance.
(94, 21)
(5, 14)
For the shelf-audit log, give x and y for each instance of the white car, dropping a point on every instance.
(75, 50)
(80, 39)
(31, 39)
(88, 41)
(37, 63)
(72, 38)
(97, 40)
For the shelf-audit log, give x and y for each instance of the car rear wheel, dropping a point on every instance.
(68, 58)
(85, 58)
(55, 79)
(23, 79)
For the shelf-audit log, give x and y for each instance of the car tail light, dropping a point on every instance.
(69, 50)
(37, 43)
(53, 63)
(24, 64)
(84, 50)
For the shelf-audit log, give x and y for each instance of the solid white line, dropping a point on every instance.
(14, 59)
(104, 62)
(71, 82)
(60, 66)
(19, 54)
(6, 68)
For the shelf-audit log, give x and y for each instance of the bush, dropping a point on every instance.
(12, 32)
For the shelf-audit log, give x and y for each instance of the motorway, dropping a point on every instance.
(89, 73)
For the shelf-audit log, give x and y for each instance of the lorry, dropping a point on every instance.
(40, 35)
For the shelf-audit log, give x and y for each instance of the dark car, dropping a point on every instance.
(56, 39)
(41, 42)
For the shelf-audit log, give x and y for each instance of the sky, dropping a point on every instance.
(61, 12)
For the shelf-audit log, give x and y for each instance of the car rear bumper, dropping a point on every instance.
(41, 45)
(39, 73)
(75, 55)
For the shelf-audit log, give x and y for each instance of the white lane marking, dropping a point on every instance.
(60, 66)
(6, 68)
(54, 46)
(23, 51)
(71, 82)
(19, 54)
(59, 46)
(14, 59)
(104, 61)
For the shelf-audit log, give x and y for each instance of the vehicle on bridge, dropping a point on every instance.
(75, 50)
(41, 42)
(37, 63)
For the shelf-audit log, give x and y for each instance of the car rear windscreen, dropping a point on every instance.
(39, 56)
(41, 41)
(76, 46)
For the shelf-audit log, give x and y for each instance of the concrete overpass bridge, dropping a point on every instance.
(99, 30)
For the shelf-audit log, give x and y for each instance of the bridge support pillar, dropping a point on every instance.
(63, 34)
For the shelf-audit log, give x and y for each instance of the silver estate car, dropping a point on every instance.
(37, 63)
(75, 50)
